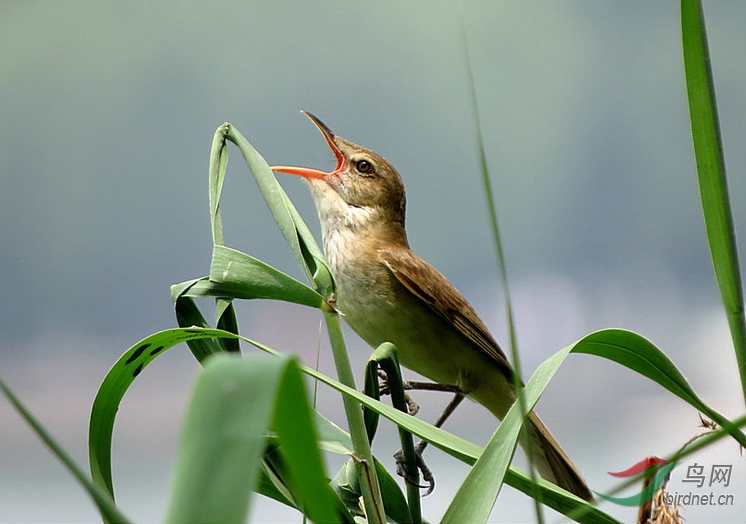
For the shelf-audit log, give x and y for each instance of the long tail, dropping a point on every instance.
(551, 461)
(547, 456)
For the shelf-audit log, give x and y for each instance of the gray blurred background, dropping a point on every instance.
(107, 113)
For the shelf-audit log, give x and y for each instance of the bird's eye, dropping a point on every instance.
(364, 167)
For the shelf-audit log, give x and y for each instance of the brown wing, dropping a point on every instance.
(430, 286)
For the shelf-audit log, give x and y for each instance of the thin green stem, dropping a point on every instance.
(366, 468)
(386, 359)
(512, 340)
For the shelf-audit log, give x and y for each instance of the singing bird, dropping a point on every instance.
(387, 293)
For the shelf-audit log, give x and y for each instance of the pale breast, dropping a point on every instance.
(380, 309)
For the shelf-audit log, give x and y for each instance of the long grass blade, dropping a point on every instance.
(102, 498)
(713, 187)
(487, 185)
(477, 494)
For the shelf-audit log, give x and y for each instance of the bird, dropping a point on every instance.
(387, 293)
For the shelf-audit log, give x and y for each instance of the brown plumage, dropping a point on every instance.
(389, 294)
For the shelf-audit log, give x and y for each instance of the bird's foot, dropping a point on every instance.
(412, 407)
(427, 474)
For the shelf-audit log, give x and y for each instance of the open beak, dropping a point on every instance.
(309, 173)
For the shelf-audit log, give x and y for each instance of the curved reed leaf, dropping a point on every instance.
(297, 234)
(638, 354)
(115, 385)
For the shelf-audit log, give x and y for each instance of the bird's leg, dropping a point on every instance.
(450, 408)
(427, 474)
(413, 408)
(430, 386)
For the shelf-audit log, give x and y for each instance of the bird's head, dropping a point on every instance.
(363, 189)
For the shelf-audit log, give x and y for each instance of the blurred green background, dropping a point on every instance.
(107, 111)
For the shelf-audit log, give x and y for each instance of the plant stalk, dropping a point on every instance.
(372, 499)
